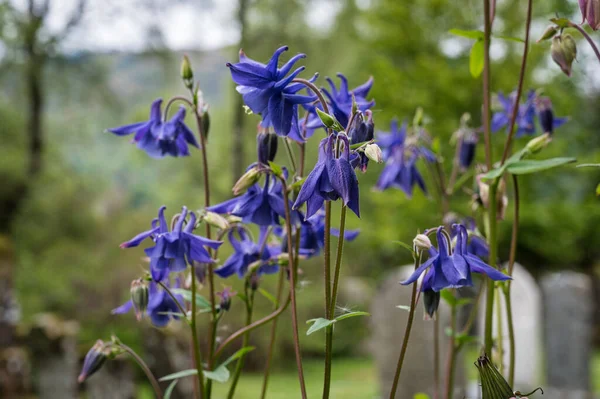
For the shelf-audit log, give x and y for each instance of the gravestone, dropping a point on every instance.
(568, 324)
(388, 327)
(526, 299)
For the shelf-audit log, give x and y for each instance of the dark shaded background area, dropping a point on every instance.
(69, 193)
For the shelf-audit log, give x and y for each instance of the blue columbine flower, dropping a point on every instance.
(161, 307)
(260, 205)
(159, 138)
(452, 270)
(246, 252)
(360, 132)
(331, 178)
(267, 91)
(525, 117)
(340, 103)
(173, 250)
(545, 114)
(468, 145)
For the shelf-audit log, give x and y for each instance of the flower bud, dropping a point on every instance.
(543, 107)
(422, 242)
(539, 143)
(361, 130)
(186, 72)
(590, 10)
(493, 384)
(564, 52)
(94, 359)
(373, 152)
(139, 297)
(205, 121)
(431, 301)
(266, 145)
(226, 296)
(246, 181)
(254, 281)
(548, 33)
(216, 220)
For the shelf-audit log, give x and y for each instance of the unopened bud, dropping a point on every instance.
(94, 360)
(543, 107)
(216, 220)
(246, 181)
(493, 384)
(422, 242)
(205, 121)
(373, 152)
(254, 281)
(548, 33)
(186, 72)
(139, 297)
(539, 143)
(419, 117)
(327, 119)
(266, 146)
(226, 296)
(431, 301)
(564, 52)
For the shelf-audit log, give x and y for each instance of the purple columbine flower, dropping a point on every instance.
(161, 307)
(360, 132)
(247, 252)
(267, 91)
(173, 249)
(332, 178)
(259, 205)
(545, 114)
(525, 117)
(159, 138)
(590, 10)
(400, 171)
(468, 146)
(340, 103)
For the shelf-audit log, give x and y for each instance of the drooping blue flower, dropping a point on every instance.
(161, 307)
(246, 252)
(449, 270)
(361, 131)
(340, 104)
(312, 235)
(173, 250)
(545, 114)
(259, 205)
(525, 117)
(269, 92)
(400, 171)
(468, 146)
(159, 138)
(332, 178)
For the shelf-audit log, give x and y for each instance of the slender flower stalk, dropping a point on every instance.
(240, 363)
(436, 358)
(293, 274)
(327, 279)
(486, 83)
(145, 369)
(195, 343)
(273, 335)
(499, 332)
(587, 37)
(515, 111)
(451, 355)
(411, 316)
(332, 303)
(491, 236)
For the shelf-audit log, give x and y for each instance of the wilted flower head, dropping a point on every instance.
(332, 178)
(493, 384)
(173, 250)
(269, 92)
(590, 10)
(159, 138)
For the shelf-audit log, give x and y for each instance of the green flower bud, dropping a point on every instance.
(186, 72)
(216, 220)
(139, 297)
(493, 385)
(564, 52)
(548, 33)
(246, 181)
(537, 144)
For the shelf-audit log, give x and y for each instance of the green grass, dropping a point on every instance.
(351, 378)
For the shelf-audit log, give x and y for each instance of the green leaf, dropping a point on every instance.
(404, 307)
(476, 59)
(598, 190)
(318, 324)
(179, 374)
(298, 184)
(531, 166)
(276, 169)
(464, 301)
(267, 295)
(561, 22)
(588, 165)
(448, 297)
(421, 395)
(187, 295)
(406, 246)
(463, 338)
(495, 173)
(220, 374)
(238, 354)
(469, 34)
(358, 145)
(170, 389)
(510, 38)
(351, 314)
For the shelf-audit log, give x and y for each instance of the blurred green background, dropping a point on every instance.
(62, 221)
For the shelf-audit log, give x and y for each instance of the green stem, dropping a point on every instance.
(492, 226)
(451, 355)
(499, 333)
(145, 369)
(333, 298)
(292, 275)
(240, 363)
(411, 315)
(265, 384)
(196, 344)
(587, 37)
(486, 84)
(436, 358)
